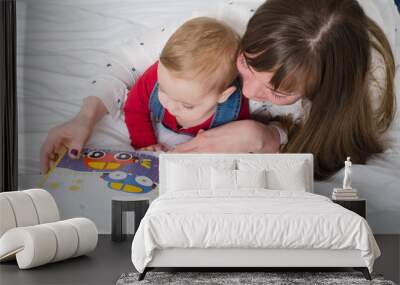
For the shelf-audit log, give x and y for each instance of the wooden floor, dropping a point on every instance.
(102, 266)
(111, 259)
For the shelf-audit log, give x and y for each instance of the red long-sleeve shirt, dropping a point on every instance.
(137, 112)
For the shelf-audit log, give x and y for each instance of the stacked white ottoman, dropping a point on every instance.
(31, 230)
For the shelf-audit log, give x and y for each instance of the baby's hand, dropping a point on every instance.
(155, 148)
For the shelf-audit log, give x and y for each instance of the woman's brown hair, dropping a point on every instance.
(323, 49)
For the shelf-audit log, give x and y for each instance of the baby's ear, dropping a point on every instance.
(225, 95)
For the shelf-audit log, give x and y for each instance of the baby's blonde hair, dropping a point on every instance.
(206, 48)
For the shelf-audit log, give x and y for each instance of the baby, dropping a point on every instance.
(192, 87)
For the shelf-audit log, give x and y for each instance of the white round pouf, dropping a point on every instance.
(45, 205)
(7, 216)
(87, 232)
(32, 246)
(67, 239)
(23, 208)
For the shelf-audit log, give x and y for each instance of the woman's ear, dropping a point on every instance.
(225, 95)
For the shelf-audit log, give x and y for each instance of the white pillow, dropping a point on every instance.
(223, 179)
(227, 179)
(291, 179)
(251, 178)
(187, 173)
(281, 175)
(182, 177)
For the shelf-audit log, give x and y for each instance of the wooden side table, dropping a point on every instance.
(137, 203)
(358, 206)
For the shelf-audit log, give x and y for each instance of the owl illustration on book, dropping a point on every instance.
(136, 172)
(123, 181)
(101, 160)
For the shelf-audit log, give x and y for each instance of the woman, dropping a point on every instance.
(292, 50)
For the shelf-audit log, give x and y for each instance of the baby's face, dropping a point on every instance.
(187, 100)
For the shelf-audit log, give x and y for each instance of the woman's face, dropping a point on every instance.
(256, 85)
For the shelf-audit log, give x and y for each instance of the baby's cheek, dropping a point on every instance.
(162, 100)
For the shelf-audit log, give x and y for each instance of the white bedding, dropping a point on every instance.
(252, 218)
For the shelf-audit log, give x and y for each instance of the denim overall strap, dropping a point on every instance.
(155, 107)
(229, 110)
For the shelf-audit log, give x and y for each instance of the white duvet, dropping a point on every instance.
(255, 218)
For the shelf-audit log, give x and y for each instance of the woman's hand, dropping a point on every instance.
(71, 135)
(235, 137)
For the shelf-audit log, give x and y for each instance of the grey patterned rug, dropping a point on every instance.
(244, 278)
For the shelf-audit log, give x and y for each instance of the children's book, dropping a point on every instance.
(130, 172)
(86, 186)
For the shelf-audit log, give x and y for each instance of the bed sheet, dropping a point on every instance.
(251, 218)
(62, 44)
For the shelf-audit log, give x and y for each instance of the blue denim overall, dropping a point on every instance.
(226, 112)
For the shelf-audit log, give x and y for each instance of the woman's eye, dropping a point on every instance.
(279, 97)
